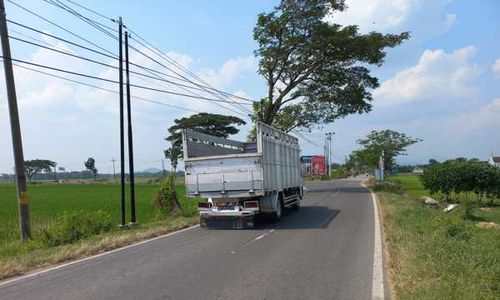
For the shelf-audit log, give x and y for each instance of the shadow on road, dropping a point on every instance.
(350, 190)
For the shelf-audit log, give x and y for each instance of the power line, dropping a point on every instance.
(161, 64)
(62, 39)
(60, 27)
(96, 62)
(149, 70)
(101, 27)
(113, 81)
(103, 89)
(306, 139)
(90, 10)
(172, 61)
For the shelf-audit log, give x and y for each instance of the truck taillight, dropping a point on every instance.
(203, 205)
(251, 204)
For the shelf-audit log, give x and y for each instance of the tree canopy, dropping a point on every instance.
(36, 166)
(316, 71)
(390, 143)
(90, 165)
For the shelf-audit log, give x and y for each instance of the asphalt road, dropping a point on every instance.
(322, 251)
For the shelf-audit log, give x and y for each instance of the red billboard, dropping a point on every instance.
(318, 165)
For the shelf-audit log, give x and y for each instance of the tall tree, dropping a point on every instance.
(173, 154)
(316, 71)
(90, 165)
(36, 166)
(213, 124)
(390, 143)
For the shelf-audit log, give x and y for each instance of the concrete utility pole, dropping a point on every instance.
(133, 220)
(122, 131)
(114, 171)
(17, 143)
(329, 150)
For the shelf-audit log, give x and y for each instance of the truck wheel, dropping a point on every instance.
(279, 210)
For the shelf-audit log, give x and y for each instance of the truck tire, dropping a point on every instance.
(279, 210)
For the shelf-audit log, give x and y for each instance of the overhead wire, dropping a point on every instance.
(88, 59)
(168, 68)
(169, 59)
(92, 23)
(110, 80)
(100, 26)
(60, 27)
(102, 88)
(238, 106)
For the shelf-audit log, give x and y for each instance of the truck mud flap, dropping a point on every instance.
(227, 222)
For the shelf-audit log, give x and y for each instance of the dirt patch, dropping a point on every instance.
(487, 225)
(487, 209)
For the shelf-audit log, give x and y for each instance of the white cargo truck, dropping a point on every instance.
(240, 180)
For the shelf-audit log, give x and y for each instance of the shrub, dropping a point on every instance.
(166, 198)
(455, 177)
(387, 186)
(74, 226)
(457, 231)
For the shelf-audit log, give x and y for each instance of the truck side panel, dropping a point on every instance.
(280, 159)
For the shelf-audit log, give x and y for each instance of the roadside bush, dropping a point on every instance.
(166, 200)
(456, 177)
(74, 226)
(458, 232)
(387, 186)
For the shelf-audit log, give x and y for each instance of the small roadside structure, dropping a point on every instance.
(494, 161)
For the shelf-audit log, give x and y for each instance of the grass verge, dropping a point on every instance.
(71, 221)
(437, 255)
(32, 256)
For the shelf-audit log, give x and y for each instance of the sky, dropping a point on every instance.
(440, 86)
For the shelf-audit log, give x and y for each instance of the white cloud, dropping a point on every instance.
(496, 68)
(488, 115)
(229, 71)
(375, 14)
(424, 18)
(437, 75)
(56, 115)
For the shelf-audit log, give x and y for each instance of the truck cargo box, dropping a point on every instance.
(216, 167)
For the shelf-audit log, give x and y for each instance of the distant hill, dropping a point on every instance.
(151, 170)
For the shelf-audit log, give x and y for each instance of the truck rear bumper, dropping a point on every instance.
(227, 220)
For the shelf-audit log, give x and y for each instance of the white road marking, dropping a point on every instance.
(35, 274)
(332, 196)
(378, 263)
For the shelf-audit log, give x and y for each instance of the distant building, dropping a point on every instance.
(494, 161)
(418, 170)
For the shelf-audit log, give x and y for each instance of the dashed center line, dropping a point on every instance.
(333, 195)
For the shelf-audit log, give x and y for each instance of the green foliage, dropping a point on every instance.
(173, 154)
(90, 165)
(166, 200)
(35, 166)
(460, 176)
(390, 143)
(73, 226)
(437, 255)
(316, 71)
